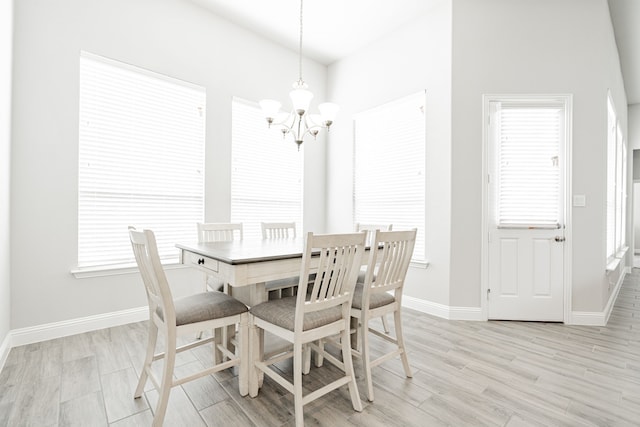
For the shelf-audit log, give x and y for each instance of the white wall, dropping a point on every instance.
(416, 57)
(173, 37)
(6, 34)
(534, 46)
(634, 129)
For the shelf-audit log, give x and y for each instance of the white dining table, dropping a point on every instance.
(245, 265)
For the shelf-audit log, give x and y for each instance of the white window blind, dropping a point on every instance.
(529, 184)
(611, 179)
(141, 160)
(266, 172)
(389, 167)
(616, 183)
(622, 242)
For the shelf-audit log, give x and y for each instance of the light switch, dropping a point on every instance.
(579, 200)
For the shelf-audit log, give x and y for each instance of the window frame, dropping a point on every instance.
(616, 195)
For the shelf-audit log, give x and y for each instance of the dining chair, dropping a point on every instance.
(320, 309)
(368, 229)
(187, 315)
(279, 230)
(218, 232)
(380, 294)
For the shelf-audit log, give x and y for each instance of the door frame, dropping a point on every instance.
(568, 160)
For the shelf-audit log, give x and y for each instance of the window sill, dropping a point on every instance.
(622, 252)
(419, 264)
(614, 262)
(114, 270)
(612, 265)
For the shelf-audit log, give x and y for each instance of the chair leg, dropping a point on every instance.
(366, 357)
(385, 325)
(306, 359)
(319, 359)
(228, 333)
(348, 368)
(297, 384)
(243, 354)
(167, 380)
(254, 356)
(206, 288)
(400, 339)
(148, 358)
(217, 341)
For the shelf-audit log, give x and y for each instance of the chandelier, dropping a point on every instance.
(298, 122)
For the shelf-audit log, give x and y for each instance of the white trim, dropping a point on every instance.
(568, 191)
(588, 318)
(116, 270)
(443, 311)
(5, 347)
(599, 318)
(65, 328)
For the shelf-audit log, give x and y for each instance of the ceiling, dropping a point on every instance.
(625, 15)
(334, 29)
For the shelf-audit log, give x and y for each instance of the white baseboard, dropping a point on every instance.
(599, 318)
(65, 328)
(5, 347)
(443, 311)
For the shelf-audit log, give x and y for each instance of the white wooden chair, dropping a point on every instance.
(321, 309)
(368, 229)
(187, 315)
(218, 232)
(279, 230)
(381, 294)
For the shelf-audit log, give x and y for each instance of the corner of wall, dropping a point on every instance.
(6, 65)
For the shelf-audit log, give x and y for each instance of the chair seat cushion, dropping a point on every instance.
(282, 312)
(205, 306)
(281, 284)
(376, 300)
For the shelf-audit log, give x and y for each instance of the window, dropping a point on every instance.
(141, 160)
(530, 140)
(266, 172)
(616, 184)
(389, 167)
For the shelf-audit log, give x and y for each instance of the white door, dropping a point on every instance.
(526, 199)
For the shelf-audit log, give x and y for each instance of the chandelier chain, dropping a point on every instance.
(300, 47)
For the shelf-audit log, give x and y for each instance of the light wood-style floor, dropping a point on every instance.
(465, 374)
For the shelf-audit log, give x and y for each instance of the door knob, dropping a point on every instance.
(559, 239)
